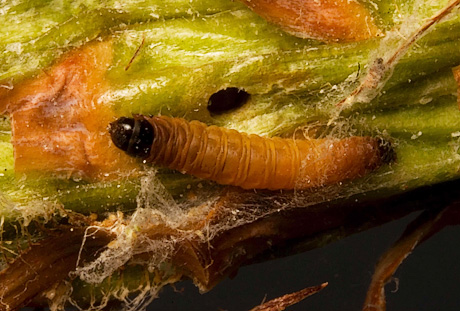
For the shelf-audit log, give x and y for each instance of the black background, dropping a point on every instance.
(429, 279)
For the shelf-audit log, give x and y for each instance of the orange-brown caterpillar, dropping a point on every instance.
(249, 161)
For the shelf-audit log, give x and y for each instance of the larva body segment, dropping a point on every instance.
(252, 162)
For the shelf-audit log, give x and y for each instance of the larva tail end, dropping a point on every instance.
(386, 151)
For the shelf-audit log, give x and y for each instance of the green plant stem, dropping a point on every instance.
(34, 33)
(182, 61)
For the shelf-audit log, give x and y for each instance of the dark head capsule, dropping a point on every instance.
(134, 136)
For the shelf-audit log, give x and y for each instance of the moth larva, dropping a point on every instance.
(229, 157)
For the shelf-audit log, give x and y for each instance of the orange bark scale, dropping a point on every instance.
(58, 126)
(325, 20)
